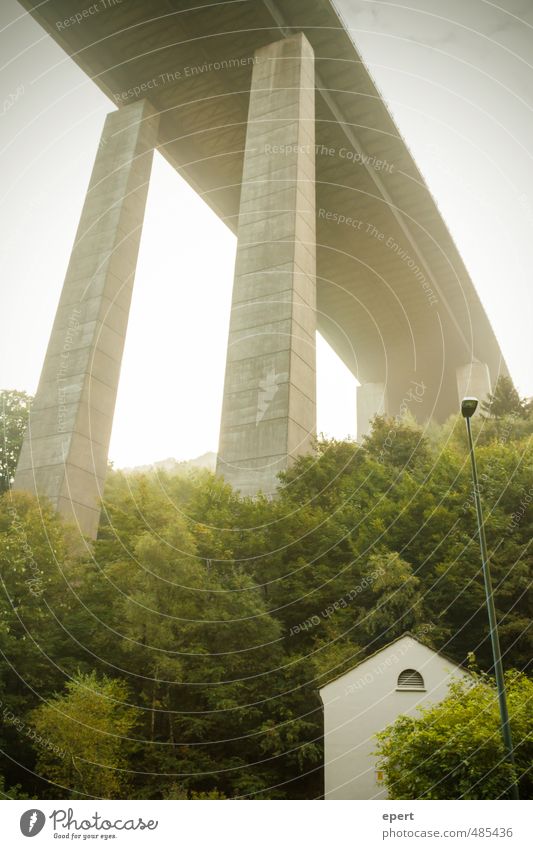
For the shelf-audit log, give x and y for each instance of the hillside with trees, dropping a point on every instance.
(180, 656)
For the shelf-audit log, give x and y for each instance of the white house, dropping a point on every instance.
(395, 680)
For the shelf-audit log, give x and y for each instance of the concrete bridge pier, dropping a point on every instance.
(371, 401)
(64, 454)
(269, 405)
(473, 379)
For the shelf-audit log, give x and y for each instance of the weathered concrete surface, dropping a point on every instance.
(473, 379)
(269, 407)
(64, 455)
(371, 401)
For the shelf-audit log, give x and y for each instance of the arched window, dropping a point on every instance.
(410, 679)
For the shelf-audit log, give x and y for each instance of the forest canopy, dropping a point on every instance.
(180, 656)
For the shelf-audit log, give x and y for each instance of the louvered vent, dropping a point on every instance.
(410, 679)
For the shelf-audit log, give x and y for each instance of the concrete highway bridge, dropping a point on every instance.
(267, 110)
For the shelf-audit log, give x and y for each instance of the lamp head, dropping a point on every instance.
(468, 407)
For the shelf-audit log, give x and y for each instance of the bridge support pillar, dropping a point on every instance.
(64, 454)
(371, 401)
(473, 379)
(269, 406)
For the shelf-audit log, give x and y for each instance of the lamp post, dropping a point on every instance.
(468, 408)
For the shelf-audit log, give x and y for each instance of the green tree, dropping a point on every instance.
(504, 401)
(225, 614)
(42, 631)
(14, 412)
(11, 792)
(200, 648)
(454, 749)
(85, 732)
(39, 559)
(398, 442)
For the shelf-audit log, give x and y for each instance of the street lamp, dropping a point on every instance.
(468, 408)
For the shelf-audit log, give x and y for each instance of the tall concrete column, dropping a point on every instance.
(64, 455)
(269, 407)
(473, 379)
(371, 401)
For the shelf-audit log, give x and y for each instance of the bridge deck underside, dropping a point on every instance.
(386, 320)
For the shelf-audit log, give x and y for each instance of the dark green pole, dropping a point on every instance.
(493, 624)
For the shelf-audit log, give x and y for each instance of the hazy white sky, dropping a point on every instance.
(458, 79)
